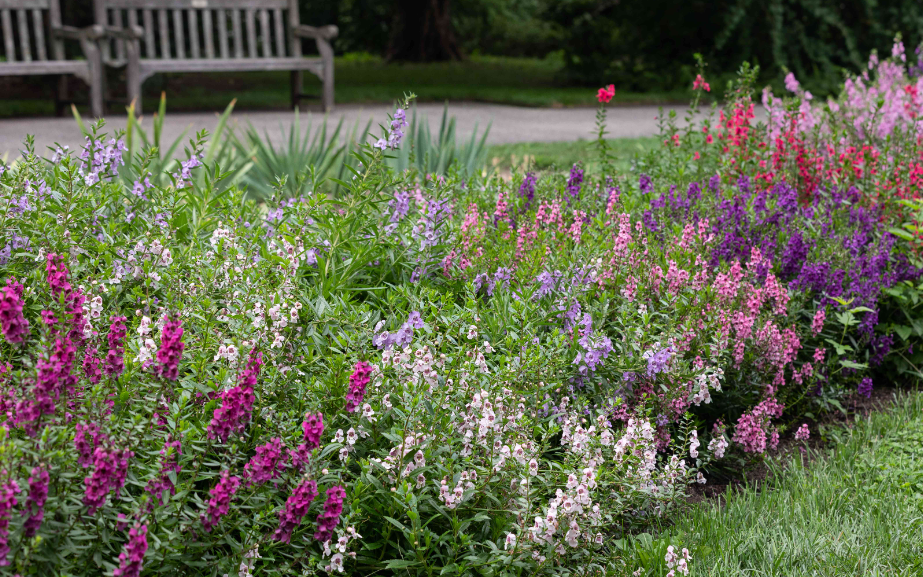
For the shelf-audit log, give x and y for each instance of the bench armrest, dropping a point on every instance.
(74, 33)
(318, 32)
(123, 33)
(96, 32)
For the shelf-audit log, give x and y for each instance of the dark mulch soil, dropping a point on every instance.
(759, 474)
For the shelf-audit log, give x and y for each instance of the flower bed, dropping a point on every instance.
(422, 375)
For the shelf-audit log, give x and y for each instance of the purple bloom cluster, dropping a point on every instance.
(502, 276)
(296, 507)
(865, 387)
(132, 557)
(402, 337)
(657, 361)
(328, 520)
(236, 403)
(396, 131)
(12, 322)
(574, 182)
(101, 161)
(548, 282)
(595, 348)
(527, 191)
(362, 374)
(220, 503)
(171, 349)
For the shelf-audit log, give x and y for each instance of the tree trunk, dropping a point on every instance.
(423, 32)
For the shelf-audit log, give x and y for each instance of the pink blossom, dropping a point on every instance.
(86, 440)
(313, 426)
(803, 433)
(132, 556)
(8, 500)
(328, 520)
(38, 493)
(162, 483)
(91, 365)
(236, 403)
(12, 322)
(267, 464)
(171, 349)
(219, 504)
(817, 325)
(115, 363)
(56, 273)
(296, 507)
(109, 471)
(357, 383)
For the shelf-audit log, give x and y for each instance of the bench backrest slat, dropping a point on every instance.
(222, 18)
(235, 33)
(266, 43)
(8, 46)
(195, 4)
(38, 29)
(280, 31)
(25, 28)
(179, 38)
(209, 37)
(13, 4)
(164, 34)
(203, 29)
(193, 21)
(150, 47)
(24, 44)
(251, 33)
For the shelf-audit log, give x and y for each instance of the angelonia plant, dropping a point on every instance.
(427, 375)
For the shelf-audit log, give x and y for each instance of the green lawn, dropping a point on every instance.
(856, 511)
(544, 156)
(519, 81)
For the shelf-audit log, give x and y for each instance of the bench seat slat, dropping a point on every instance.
(47, 67)
(194, 4)
(243, 65)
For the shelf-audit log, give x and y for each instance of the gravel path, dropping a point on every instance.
(507, 123)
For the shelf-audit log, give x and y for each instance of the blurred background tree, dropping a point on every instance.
(640, 45)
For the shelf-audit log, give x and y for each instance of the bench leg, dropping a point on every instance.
(328, 87)
(133, 75)
(297, 88)
(96, 78)
(60, 100)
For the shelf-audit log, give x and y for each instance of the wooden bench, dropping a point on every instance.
(214, 36)
(35, 46)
